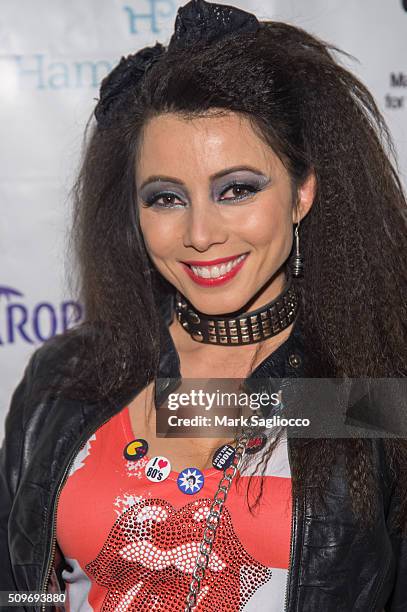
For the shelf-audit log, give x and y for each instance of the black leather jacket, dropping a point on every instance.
(334, 567)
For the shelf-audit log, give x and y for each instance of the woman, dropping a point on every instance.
(237, 215)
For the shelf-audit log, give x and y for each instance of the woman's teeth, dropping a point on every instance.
(216, 271)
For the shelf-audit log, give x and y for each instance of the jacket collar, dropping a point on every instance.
(286, 361)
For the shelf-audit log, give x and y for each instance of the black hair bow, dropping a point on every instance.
(200, 21)
(197, 21)
(126, 74)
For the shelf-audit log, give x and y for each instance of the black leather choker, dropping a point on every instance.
(247, 328)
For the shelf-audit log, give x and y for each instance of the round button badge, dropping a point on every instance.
(190, 480)
(223, 457)
(136, 449)
(158, 469)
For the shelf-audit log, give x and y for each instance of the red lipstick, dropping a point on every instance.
(211, 262)
(214, 282)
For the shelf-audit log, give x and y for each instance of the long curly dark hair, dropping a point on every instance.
(315, 114)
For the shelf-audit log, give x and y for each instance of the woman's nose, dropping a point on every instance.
(204, 226)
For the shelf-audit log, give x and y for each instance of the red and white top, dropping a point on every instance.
(132, 544)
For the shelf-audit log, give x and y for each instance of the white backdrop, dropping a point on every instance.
(53, 55)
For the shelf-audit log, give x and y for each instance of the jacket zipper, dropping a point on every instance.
(381, 581)
(293, 522)
(293, 527)
(51, 556)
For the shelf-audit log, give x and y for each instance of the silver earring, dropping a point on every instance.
(298, 262)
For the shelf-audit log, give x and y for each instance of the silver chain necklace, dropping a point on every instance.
(212, 522)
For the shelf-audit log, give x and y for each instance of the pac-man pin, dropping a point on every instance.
(136, 449)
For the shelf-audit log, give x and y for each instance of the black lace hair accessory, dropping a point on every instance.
(128, 72)
(196, 22)
(206, 22)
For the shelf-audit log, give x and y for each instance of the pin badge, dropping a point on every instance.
(136, 449)
(158, 469)
(256, 444)
(223, 457)
(190, 480)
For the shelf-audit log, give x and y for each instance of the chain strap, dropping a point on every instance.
(212, 523)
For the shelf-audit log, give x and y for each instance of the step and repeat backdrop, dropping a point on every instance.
(53, 55)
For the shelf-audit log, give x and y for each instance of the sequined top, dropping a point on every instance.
(131, 543)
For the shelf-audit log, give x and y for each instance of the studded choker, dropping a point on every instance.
(247, 328)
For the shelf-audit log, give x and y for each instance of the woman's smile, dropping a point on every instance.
(215, 272)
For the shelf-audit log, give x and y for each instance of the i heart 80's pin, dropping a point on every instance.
(158, 469)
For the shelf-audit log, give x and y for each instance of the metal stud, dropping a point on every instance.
(194, 317)
(294, 360)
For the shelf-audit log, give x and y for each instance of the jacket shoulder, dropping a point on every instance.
(52, 363)
(58, 350)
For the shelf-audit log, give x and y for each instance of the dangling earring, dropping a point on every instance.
(298, 262)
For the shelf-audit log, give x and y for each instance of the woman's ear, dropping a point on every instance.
(305, 197)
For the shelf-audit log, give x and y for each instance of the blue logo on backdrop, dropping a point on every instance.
(151, 16)
(37, 72)
(19, 322)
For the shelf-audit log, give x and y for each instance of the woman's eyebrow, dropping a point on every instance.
(169, 179)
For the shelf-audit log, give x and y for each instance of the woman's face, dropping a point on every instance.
(210, 189)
